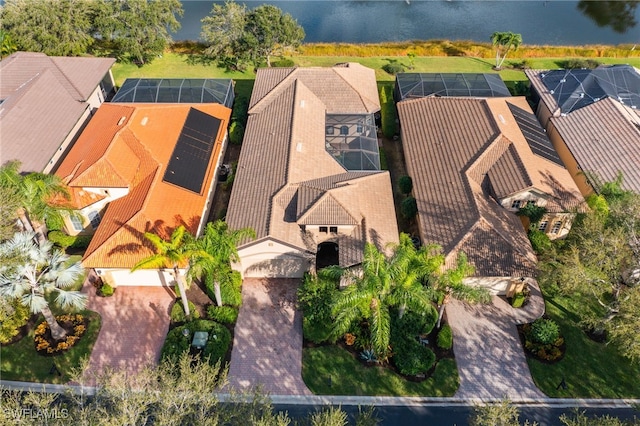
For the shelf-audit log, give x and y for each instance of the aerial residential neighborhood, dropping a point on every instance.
(242, 230)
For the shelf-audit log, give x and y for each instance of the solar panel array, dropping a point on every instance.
(189, 161)
(419, 85)
(535, 134)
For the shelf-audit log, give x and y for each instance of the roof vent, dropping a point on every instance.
(302, 103)
(551, 91)
(564, 80)
(144, 121)
(502, 118)
(299, 147)
(122, 119)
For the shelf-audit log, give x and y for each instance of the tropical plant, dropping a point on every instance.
(39, 273)
(504, 42)
(218, 247)
(382, 283)
(173, 253)
(7, 45)
(13, 315)
(503, 413)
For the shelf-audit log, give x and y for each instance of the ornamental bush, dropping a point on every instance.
(445, 338)
(314, 299)
(411, 358)
(409, 207)
(222, 314)
(65, 241)
(177, 311)
(405, 184)
(544, 331)
(106, 290)
(13, 316)
(236, 133)
(74, 324)
(393, 68)
(539, 241)
(178, 342)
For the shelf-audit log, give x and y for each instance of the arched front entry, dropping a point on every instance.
(327, 255)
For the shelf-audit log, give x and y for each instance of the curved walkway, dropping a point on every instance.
(267, 346)
(491, 361)
(135, 322)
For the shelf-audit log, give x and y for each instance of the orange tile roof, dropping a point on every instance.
(130, 146)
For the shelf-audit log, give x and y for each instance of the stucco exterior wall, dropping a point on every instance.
(272, 259)
(495, 285)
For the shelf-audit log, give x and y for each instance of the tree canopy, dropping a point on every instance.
(504, 42)
(134, 30)
(236, 35)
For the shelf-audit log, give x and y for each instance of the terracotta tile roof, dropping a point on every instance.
(136, 152)
(454, 148)
(284, 170)
(43, 98)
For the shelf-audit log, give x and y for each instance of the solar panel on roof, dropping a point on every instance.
(190, 159)
(534, 134)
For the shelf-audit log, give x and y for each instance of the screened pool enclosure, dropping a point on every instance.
(352, 141)
(176, 90)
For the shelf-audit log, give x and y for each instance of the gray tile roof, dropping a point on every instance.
(285, 176)
(42, 100)
(603, 137)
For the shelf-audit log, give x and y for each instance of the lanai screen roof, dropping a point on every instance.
(575, 88)
(419, 85)
(352, 141)
(176, 90)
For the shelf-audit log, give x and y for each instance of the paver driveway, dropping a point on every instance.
(267, 347)
(135, 321)
(491, 361)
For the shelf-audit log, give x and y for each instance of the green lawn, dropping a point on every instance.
(591, 370)
(175, 65)
(21, 362)
(348, 376)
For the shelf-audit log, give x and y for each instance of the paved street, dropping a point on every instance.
(267, 348)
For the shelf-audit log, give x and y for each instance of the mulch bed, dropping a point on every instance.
(70, 327)
(530, 354)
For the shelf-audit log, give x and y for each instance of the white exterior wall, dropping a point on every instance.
(272, 259)
(99, 206)
(141, 277)
(212, 188)
(323, 236)
(495, 285)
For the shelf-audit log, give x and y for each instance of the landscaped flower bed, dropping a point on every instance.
(74, 324)
(542, 340)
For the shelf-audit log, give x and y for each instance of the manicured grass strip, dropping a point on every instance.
(332, 364)
(21, 362)
(590, 369)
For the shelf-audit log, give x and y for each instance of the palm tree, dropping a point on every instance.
(174, 253)
(220, 245)
(36, 192)
(504, 42)
(382, 285)
(34, 273)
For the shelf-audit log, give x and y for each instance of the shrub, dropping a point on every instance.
(409, 207)
(445, 338)
(177, 343)
(387, 112)
(284, 63)
(65, 241)
(177, 311)
(74, 324)
(413, 324)
(231, 291)
(405, 184)
(13, 315)
(240, 110)
(236, 133)
(222, 314)
(539, 241)
(106, 290)
(393, 68)
(411, 358)
(544, 331)
(314, 299)
(575, 63)
(518, 300)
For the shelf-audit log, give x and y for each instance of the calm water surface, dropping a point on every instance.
(539, 22)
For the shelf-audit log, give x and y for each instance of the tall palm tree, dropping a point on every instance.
(382, 284)
(174, 253)
(35, 272)
(220, 244)
(504, 42)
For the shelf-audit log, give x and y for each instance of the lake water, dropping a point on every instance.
(539, 22)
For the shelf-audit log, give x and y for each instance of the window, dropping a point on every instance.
(359, 128)
(333, 229)
(323, 229)
(95, 219)
(542, 226)
(556, 227)
(516, 204)
(531, 203)
(76, 222)
(328, 130)
(344, 130)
